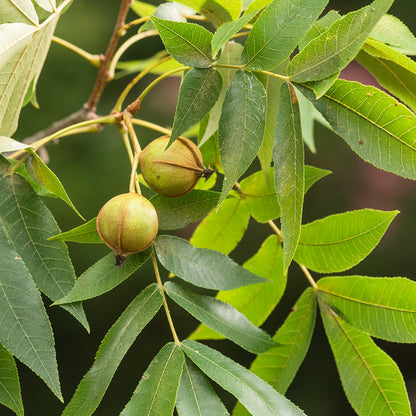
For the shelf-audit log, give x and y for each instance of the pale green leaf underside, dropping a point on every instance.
(255, 394)
(382, 307)
(337, 46)
(289, 180)
(377, 127)
(22, 11)
(196, 396)
(25, 329)
(278, 30)
(200, 266)
(372, 381)
(255, 302)
(113, 347)
(222, 318)
(279, 365)
(21, 71)
(223, 228)
(10, 394)
(103, 276)
(29, 223)
(9, 145)
(339, 242)
(156, 393)
(188, 43)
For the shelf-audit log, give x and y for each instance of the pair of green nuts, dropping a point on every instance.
(128, 222)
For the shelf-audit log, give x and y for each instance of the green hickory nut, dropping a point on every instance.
(174, 171)
(128, 224)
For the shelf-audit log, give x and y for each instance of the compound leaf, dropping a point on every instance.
(339, 242)
(200, 266)
(113, 347)
(222, 318)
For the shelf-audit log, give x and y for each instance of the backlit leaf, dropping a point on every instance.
(200, 266)
(9, 145)
(113, 347)
(256, 395)
(339, 242)
(156, 393)
(86, 233)
(374, 124)
(222, 318)
(18, 11)
(278, 30)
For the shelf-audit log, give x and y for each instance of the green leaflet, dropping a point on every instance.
(223, 228)
(371, 380)
(200, 266)
(174, 213)
(113, 347)
(216, 12)
(255, 302)
(196, 396)
(9, 145)
(335, 48)
(395, 33)
(23, 318)
(339, 242)
(10, 394)
(241, 126)
(289, 176)
(382, 307)
(394, 71)
(156, 393)
(188, 43)
(374, 124)
(45, 177)
(85, 233)
(279, 365)
(278, 30)
(29, 223)
(222, 318)
(103, 276)
(200, 89)
(255, 394)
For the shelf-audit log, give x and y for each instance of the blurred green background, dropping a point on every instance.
(93, 168)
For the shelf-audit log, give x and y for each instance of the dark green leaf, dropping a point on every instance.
(195, 394)
(25, 329)
(29, 224)
(227, 30)
(200, 266)
(10, 394)
(382, 307)
(288, 157)
(279, 365)
(174, 213)
(394, 71)
(255, 394)
(278, 30)
(222, 318)
(335, 48)
(372, 381)
(255, 302)
(85, 233)
(395, 33)
(103, 276)
(374, 124)
(38, 170)
(339, 242)
(198, 93)
(188, 43)
(223, 228)
(241, 126)
(113, 347)
(156, 393)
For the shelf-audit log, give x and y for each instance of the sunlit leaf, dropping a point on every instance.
(156, 393)
(200, 266)
(18, 11)
(85, 233)
(9, 145)
(113, 347)
(372, 381)
(254, 393)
